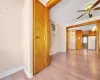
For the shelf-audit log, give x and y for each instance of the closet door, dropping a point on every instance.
(79, 34)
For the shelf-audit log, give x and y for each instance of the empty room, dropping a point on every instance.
(49, 39)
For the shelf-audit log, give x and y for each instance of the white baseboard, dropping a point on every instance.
(52, 53)
(29, 75)
(11, 71)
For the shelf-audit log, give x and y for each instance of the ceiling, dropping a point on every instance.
(84, 28)
(65, 12)
(44, 2)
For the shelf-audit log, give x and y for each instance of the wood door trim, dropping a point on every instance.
(98, 37)
(97, 22)
(33, 33)
(84, 24)
(66, 39)
(52, 3)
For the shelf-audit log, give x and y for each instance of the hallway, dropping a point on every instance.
(73, 66)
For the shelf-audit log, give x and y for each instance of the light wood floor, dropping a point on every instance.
(74, 65)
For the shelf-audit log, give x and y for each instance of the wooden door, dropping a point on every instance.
(79, 39)
(40, 39)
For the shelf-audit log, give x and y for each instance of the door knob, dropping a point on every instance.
(37, 37)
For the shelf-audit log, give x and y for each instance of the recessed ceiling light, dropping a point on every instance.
(94, 28)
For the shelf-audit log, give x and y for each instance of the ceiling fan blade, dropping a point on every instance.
(98, 8)
(82, 15)
(95, 4)
(81, 10)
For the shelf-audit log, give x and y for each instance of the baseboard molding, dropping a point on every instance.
(11, 71)
(29, 75)
(52, 53)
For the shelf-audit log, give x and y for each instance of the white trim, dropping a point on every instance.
(11, 71)
(52, 53)
(29, 75)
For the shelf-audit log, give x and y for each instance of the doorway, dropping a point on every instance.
(85, 42)
(89, 40)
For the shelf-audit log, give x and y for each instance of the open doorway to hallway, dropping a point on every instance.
(83, 39)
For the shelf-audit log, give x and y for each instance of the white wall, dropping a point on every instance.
(91, 42)
(11, 51)
(27, 35)
(65, 12)
(71, 39)
(58, 41)
(15, 35)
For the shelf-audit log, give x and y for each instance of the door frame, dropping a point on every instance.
(97, 22)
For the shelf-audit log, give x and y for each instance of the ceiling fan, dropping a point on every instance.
(89, 10)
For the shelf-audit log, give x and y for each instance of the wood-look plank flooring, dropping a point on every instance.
(74, 65)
